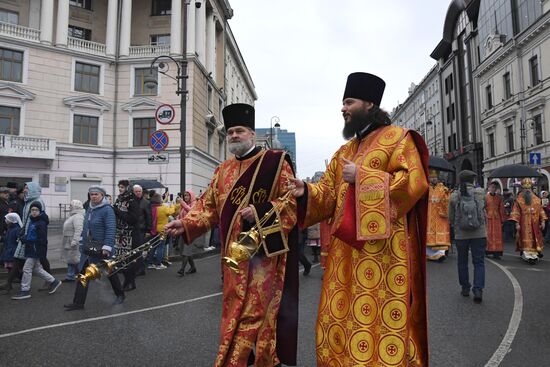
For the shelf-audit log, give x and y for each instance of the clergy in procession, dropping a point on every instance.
(438, 233)
(372, 310)
(530, 219)
(260, 297)
(494, 211)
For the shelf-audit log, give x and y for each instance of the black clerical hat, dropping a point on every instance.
(238, 114)
(365, 86)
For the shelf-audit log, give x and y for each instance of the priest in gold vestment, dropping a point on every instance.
(372, 309)
(530, 219)
(260, 302)
(438, 233)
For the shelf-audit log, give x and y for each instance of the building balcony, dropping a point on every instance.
(19, 31)
(86, 46)
(149, 50)
(27, 147)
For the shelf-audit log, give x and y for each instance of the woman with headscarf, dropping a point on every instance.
(72, 230)
(14, 224)
(99, 226)
(186, 251)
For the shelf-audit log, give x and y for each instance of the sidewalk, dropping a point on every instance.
(58, 265)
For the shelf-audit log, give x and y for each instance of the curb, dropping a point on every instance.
(173, 258)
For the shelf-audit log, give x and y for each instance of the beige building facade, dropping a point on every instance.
(78, 96)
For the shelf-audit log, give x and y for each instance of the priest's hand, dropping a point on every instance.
(174, 228)
(542, 225)
(517, 226)
(297, 187)
(248, 214)
(348, 173)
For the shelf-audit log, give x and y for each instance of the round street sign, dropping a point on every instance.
(164, 114)
(158, 140)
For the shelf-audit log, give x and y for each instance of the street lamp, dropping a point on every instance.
(271, 125)
(181, 80)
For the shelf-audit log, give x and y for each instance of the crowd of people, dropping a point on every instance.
(378, 212)
(135, 216)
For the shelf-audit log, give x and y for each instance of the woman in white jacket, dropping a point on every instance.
(72, 230)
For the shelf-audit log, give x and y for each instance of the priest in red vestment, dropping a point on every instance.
(372, 310)
(494, 211)
(260, 301)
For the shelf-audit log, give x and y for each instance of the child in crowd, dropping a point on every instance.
(36, 245)
(14, 225)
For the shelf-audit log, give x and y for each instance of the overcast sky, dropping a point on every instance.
(300, 52)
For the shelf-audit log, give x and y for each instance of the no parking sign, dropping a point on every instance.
(158, 141)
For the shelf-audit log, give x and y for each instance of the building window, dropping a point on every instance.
(10, 17)
(9, 120)
(453, 116)
(489, 96)
(209, 98)
(510, 136)
(85, 129)
(86, 78)
(142, 89)
(210, 145)
(223, 155)
(159, 39)
(161, 7)
(11, 65)
(491, 145)
(454, 141)
(84, 4)
(507, 86)
(534, 70)
(80, 33)
(143, 128)
(537, 129)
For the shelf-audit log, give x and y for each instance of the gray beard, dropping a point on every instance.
(240, 148)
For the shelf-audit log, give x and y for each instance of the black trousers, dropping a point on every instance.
(81, 292)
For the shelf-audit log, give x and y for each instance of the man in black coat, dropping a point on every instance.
(127, 236)
(144, 222)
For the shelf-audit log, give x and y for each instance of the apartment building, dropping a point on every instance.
(78, 91)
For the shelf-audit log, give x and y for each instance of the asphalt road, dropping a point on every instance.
(172, 321)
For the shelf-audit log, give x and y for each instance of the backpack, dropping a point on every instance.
(469, 214)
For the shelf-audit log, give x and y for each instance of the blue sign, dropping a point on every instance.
(534, 158)
(158, 141)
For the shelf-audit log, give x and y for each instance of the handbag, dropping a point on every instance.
(92, 248)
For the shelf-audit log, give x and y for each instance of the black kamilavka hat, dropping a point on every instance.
(365, 86)
(238, 114)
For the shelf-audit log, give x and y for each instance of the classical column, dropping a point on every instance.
(175, 28)
(126, 27)
(62, 30)
(211, 43)
(46, 21)
(200, 32)
(110, 39)
(190, 24)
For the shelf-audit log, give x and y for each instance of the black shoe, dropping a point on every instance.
(73, 306)
(478, 296)
(181, 272)
(465, 292)
(496, 257)
(129, 287)
(141, 273)
(442, 258)
(68, 280)
(119, 299)
(191, 271)
(307, 269)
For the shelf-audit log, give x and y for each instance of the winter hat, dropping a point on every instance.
(96, 188)
(76, 204)
(466, 176)
(365, 86)
(36, 204)
(14, 218)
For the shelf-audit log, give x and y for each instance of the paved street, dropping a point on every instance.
(171, 321)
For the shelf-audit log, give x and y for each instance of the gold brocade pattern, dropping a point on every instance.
(438, 234)
(365, 314)
(252, 298)
(529, 218)
(494, 210)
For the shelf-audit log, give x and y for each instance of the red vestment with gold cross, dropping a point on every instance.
(372, 310)
(251, 299)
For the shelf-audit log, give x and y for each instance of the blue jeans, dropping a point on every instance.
(477, 247)
(157, 254)
(72, 270)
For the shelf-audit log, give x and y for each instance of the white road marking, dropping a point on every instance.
(515, 320)
(52, 326)
(109, 316)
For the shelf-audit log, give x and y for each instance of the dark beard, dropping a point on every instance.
(357, 123)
